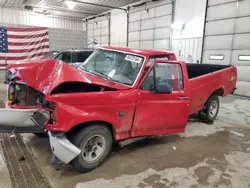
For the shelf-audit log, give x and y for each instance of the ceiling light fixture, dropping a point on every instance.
(70, 4)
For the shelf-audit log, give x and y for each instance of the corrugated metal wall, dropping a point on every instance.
(227, 38)
(99, 29)
(34, 19)
(188, 49)
(149, 25)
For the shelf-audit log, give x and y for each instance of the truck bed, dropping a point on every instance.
(195, 70)
(205, 79)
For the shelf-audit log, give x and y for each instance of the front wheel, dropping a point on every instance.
(211, 109)
(95, 142)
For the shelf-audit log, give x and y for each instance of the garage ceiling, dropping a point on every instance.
(82, 8)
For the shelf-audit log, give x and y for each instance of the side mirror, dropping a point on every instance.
(163, 88)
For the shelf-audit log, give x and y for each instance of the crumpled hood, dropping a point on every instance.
(45, 75)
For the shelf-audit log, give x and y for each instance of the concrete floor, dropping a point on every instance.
(204, 156)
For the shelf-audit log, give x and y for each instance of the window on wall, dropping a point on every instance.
(164, 73)
(244, 57)
(216, 57)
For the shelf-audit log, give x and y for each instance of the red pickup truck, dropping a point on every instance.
(116, 94)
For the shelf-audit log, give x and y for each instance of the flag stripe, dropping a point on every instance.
(28, 46)
(19, 29)
(27, 33)
(28, 36)
(22, 54)
(27, 39)
(28, 43)
(23, 57)
(28, 50)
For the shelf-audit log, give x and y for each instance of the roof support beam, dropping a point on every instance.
(99, 5)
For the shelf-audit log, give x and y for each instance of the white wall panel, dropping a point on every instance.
(235, 58)
(163, 21)
(134, 44)
(135, 16)
(243, 73)
(147, 35)
(151, 27)
(242, 41)
(104, 40)
(146, 44)
(216, 12)
(134, 36)
(220, 27)
(134, 26)
(163, 10)
(161, 44)
(242, 24)
(216, 2)
(105, 31)
(147, 24)
(243, 88)
(231, 38)
(98, 28)
(218, 42)
(208, 53)
(244, 8)
(148, 14)
(162, 33)
(118, 28)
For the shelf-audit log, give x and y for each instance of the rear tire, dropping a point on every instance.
(211, 109)
(95, 143)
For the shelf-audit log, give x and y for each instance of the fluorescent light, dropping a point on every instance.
(244, 57)
(70, 4)
(216, 57)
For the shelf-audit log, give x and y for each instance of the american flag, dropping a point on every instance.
(18, 44)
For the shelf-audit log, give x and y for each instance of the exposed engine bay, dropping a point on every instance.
(23, 95)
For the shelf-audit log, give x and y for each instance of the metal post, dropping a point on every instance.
(204, 32)
(234, 32)
(109, 19)
(127, 13)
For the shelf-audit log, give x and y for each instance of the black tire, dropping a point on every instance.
(82, 138)
(209, 114)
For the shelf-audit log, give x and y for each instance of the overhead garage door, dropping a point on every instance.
(227, 38)
(98, 28)
(150, 25)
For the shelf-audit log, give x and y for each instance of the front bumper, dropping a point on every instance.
(22, 120)
(62, 148)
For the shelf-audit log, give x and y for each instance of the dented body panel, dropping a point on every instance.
(130, 110)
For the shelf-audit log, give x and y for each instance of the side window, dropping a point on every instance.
(64, 56)
(81, 56)
(164, 73)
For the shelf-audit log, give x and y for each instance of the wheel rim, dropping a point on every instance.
(213, 109)
(93, 148)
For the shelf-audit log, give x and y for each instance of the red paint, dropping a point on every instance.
(146, 113)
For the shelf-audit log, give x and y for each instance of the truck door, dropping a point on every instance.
(163, 101)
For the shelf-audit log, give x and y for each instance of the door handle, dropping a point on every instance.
(183, 98)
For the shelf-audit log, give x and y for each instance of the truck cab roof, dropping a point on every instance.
(143, 52)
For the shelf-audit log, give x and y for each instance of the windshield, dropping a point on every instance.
(115, 66)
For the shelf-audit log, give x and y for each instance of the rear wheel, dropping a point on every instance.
(211, 109)
(95, 143)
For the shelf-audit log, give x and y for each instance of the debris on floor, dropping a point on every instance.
(237, 133)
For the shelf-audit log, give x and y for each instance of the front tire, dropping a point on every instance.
(211, 109)
(95, 142)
